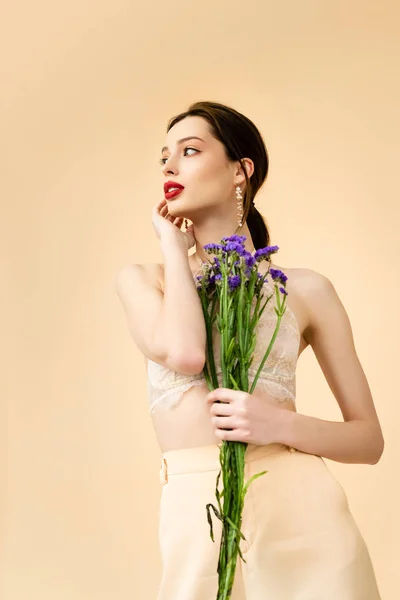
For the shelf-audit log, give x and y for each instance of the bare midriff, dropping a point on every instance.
(189, 424)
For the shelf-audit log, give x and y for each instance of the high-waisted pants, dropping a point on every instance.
(302, 542)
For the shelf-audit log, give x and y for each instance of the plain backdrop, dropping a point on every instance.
(87, 89)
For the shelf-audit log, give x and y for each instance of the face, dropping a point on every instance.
(201, 167)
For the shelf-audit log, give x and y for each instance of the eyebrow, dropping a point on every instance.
(185, 139)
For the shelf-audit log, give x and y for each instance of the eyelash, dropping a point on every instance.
(161, 161)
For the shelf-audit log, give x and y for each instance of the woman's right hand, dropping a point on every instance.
(164, 224)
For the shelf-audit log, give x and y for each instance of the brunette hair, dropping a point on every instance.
(241, 138)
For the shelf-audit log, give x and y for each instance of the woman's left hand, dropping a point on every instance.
(248, 418)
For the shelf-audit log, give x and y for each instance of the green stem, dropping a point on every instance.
(236, 325)
(211, 378)
(267, 353)
(227, 575)
(280, 312)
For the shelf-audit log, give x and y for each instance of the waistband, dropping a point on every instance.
(206, 458)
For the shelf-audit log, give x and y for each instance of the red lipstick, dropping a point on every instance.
(170, 192)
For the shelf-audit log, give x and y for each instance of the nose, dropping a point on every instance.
(169, 171)
(167, 168)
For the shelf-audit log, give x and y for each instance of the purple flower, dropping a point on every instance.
(283, 291)
(233, 282)
(217, 262)
(213, 247)
(278, 275)
(234, 247)
(261, 252)
(239, 239)
(249, 259)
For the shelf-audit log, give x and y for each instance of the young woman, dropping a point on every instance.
(302, 542)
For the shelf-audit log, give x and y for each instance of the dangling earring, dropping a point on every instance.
(186, 224)
(239, 205)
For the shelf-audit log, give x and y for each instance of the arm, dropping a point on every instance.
(359, 438)
(354, 441)
(167, 328)
(180, 322)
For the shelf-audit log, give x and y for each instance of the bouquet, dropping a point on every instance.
(231, 293)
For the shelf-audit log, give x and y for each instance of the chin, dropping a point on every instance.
(174, 204)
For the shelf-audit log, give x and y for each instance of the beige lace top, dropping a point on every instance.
(277, 378)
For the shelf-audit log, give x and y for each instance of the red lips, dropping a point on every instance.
(172, 184)
(171, 194)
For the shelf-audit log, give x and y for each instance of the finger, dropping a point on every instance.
(221, 409)
(226, 395)
(164, 209)
(224, 422)
(218, 394)
(166, 214)
(160, 204)
(234, 435)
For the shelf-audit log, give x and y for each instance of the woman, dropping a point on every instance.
(302, 542)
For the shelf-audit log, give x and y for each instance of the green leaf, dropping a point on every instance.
(219, 494)
(246, 487)
(235, 527)
(241, 555)
(209, 519)
(230, 349)
(235, 385)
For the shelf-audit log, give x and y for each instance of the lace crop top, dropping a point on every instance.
(278, 377)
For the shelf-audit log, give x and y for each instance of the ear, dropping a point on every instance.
(249, 166)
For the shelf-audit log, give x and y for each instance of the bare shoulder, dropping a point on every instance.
(319, 300)
(312, 286)
(305, 283)
(307, 290)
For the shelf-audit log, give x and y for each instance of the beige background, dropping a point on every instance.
(87, 90)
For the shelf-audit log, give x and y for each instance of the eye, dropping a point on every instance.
(187, 148)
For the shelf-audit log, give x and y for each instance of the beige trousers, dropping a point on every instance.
(302, 542)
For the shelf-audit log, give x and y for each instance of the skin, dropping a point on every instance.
(209, 201)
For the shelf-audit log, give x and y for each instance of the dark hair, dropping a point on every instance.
(241, 139)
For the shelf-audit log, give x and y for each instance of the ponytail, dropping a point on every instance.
(258, 228)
